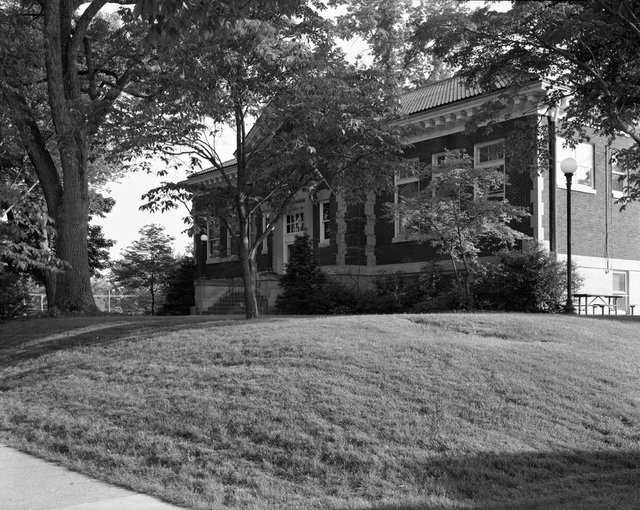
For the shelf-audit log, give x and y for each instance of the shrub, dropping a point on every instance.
(180, 293)
(13, 295)
(525, 282)
(302, 281)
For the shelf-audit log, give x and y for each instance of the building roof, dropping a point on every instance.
(424, 98)
(441, 93)
(226, 164)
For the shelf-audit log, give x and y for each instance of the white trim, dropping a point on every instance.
(625, 293)
(452, 118)
(324, 204)
(400, 181)
(572, 152)
(493, 163)
(215, 260)
(601, 262)
(615, 173)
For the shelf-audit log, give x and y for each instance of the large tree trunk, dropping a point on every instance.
(72, 288)
(248, 269)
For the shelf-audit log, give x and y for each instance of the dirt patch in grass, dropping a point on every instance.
(388, 412)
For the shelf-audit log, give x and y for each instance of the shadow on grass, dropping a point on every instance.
(21, 341)
(558, 481)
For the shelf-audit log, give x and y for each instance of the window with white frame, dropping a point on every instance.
(325, 222)
(490, 155)
(407, 184)
(621, 288)
(619, 178)
(213, 240)
(294, 222)
(582, 153)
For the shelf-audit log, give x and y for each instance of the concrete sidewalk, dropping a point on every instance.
(28, 483)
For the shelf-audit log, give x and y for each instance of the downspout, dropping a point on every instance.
(551, 123)
(608, 176)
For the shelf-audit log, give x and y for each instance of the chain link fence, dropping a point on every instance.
(128, 304)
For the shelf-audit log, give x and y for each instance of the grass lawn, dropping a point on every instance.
(401, 412)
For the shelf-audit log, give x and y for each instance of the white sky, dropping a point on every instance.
(126, 219)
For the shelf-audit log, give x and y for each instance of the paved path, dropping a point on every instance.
(29, 483)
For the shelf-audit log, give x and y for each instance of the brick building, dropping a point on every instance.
(356, 243)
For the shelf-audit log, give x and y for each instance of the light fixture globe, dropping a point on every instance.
(568, 166)
(204, 238)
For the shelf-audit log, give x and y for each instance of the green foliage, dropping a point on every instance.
(302, 282)
(13, 295)
(455, 214)
(525, 282)
(25, 228)
(146, 265)
(180, 293)
(98, 250)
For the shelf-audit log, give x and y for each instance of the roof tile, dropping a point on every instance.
(441, 93)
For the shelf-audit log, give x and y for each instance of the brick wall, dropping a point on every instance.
(599, 228)
(520, 161)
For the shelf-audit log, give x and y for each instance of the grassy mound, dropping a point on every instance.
(388, 412)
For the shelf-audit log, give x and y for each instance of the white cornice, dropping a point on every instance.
(453, 118)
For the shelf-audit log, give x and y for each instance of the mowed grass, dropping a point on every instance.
(400, 412)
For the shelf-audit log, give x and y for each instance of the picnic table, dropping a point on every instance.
(608, 302)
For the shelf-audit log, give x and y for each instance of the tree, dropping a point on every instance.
(147, 263)
(180, 295)
(303, 281)
(389, 28)
(64, 71)
(321, 122)
(455, 214)
(588, 52)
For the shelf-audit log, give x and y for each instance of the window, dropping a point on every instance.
(295, 222)
(215, 248)
(325, 222)
(265, 222)
(619, 177)
(583, 179)
(213, 241)
(438, 158)
(490, 155)
(620, 288)
(407, 186)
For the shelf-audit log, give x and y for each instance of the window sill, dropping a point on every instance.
(578, 188)
(218, 260)
(412, 239)
(618, 194)
(324, 243)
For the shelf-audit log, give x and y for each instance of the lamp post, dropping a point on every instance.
(203, 255)
(569, 167)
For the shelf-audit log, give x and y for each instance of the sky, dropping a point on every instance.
(126, 219)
